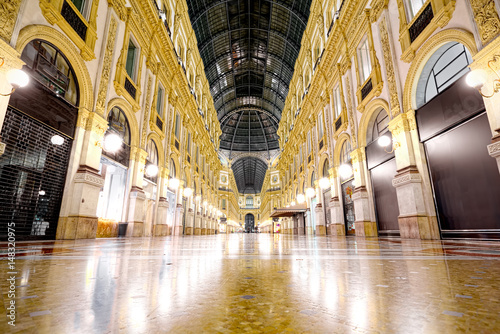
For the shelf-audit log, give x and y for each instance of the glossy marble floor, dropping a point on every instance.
(254, 283)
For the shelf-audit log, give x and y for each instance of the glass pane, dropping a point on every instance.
(79, 4)
(130, 64)
(159, 102)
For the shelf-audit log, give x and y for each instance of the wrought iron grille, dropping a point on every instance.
(338, 123)
(130, 88)
(421, 22)
(367, 88)
(159, 123)
(69, 14)
(32, 176)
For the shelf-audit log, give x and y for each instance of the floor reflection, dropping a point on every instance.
(255, 283)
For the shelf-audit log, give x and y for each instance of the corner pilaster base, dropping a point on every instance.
(76, 227)
(203, 231)
(366, 229)
(160, 230)
(197, 231)
(320, 230)
(418, 227)
(189, 231)
(135, 229)
(178, 230)
(337, 229)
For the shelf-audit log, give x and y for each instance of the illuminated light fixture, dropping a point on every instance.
(57, 140)
(345, 171)
(210, 206)
(478, 78)
(324, 183)
(293, 203)
(301, 198)
(188, 192)
(310, 192)
(151, 170)
(197, 198)
(112, 143)
(385, 141)
(15, 77)
(41, 192)
(204, 203)
(173, 183)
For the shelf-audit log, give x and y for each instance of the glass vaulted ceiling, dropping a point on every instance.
(249, 48)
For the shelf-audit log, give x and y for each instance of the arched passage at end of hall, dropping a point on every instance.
(249, 223)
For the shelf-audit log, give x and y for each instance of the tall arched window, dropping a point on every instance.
(448, 64)
(326, 168)
(118, 124)
(345, 157)
(380, 126)
(152, 158)
(171, 169)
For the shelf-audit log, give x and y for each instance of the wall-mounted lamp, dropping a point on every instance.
(111, 143)
(151, 170)
(292, 203)
(57, 140)
(197, 198)
(324, 183)
(310, 192)
(385, 141)
(17, 78)
(173, 183)
(477, 78)
(345, 171)
(188, 192)
(301, 198)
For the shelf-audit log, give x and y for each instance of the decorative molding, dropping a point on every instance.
(100, 107)
(487, 20)
(144, 131)
(89, 178)
(352, 120)
(494, 150)
(389, 69)
(8, 17)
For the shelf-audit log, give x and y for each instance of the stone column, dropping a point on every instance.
(82, 192)
(337, 226)
(136, 212)
(204, 224)
(300, 222)
(189, 222)
(414, 219)
(320, 220)
(364, 225)
(179, 212)
(161, 228)
(197, 221)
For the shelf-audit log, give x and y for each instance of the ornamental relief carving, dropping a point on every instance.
(351, 120)
(494, 149)
(106, 69)
(487, 20)
(389, 69)
(144, 131)
(8, 15)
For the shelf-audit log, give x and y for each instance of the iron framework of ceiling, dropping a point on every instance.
(249, 49)
(251, 172)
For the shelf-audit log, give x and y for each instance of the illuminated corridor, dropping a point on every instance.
(256, 283)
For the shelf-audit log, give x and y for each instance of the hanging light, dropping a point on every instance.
(205, 203)
(476, 78)
(112, 142)
(197, 198)
(301, 198)
(324, 183)
(345, 171)
(310, 192)
(57, 140)
(188, 192)
(173, 183)
(384, 141)
(151, 170)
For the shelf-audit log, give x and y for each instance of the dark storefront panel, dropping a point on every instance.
(466, 181)
(326, 206)
(386, 200)
(32, 176)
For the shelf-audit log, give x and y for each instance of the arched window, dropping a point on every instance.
(51, 68)
(345, 153)
(152, 152)
(448, 64)
(171, 169)
(313, 179)
(118, 124)
(249, 202)
(380, 126)
(326, 168)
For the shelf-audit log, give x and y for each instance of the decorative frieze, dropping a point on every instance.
(100, 107)
(8, 16)
(405, 176)
(389, 69)
(487, 20)
(85, 175)
(494, 149)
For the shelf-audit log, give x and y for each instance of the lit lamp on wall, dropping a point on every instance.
(197, 198)
(324, 183)
(345, 171)
(16, 78)
(112, 143)
(293, 203)
(478, 78)
(151, 170)
(301, 198)
(384, 141)
(188, 192)
(310, 193)
(173, 183)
